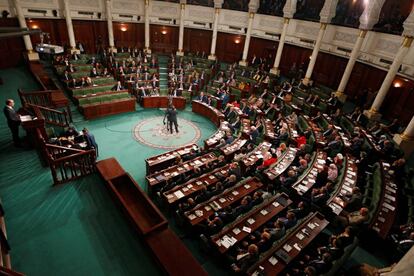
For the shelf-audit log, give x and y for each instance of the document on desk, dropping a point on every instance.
(247, 229)
(311, 225)
(276, 204)
(250, 220)
(264, 212)
(236, 231)
(25, 118)
(392, 198)
(287, 248)
(273, 260)
(300, 236)
(179, 194)
(297, 247)
(388, 206)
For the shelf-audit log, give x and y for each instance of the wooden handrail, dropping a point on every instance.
(63, 148)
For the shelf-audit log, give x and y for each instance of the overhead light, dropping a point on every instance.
(124, 28)
(237, 40)
(397, 84)
(35, 26)
(164, 32)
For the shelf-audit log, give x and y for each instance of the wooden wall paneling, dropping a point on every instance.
(197, 40)
(100, 29)
(262, 48)
(11, 49)
(56, 28)
(132, 36)
(227, 49)
(293, 54)
(163, 39)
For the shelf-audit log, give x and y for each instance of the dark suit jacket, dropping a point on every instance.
(13, 119)
(172, 115)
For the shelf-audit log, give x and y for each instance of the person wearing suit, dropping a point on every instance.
(13, 121)
(172, 118)
(118, 87)
(90, 140)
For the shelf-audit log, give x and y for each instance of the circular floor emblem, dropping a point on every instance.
(153, 133)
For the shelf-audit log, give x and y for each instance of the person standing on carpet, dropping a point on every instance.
(13, 121)
(172, 118)
(90, 140)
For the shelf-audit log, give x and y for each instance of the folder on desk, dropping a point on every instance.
(283, 255)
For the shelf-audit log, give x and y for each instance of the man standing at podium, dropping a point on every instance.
(13, 121)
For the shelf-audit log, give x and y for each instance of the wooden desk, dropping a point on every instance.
(254, 155)
(162, 102)
(232, 195)
(229, 150)
(387, 207)
(306, 182)
(157, 180)
(253, 220)
(210, 112)
(93, 111)
(269, 130)
(165, 160)
(282, 164)
(214, 140)
(182, 192)
(245, 127)
(277, 258)
(345, 186)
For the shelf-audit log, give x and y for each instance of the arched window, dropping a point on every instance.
(393, 15)
(348, 13)
(238, 5)
(309, 9)
(272, 7)
(206, 3)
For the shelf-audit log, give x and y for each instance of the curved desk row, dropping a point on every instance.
(210, 112)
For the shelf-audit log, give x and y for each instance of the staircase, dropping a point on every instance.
(163, 70)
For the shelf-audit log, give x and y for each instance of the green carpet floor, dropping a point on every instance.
(75, 228)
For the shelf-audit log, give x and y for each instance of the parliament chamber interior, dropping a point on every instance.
(207, 137)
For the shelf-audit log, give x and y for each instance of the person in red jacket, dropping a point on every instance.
(267, 163)
(301, 140)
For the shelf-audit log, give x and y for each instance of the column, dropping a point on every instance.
(373, 113)
(68, 17)
(110, 26)
(244, 62)
(406, 139)
(275, 70)
(315, 52)
(212, 55)
(31, 55)
(147, 27)
(180, 51)
(351, 62)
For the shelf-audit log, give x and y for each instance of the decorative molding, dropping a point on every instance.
(83, 3)
(388, 46)
(346, 37)
(307, 30)
(268, 23)
(171, 11)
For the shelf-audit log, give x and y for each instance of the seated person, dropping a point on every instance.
(245, 260)
(353, 200)
(290, 220)
(356, 218)
(118, 87)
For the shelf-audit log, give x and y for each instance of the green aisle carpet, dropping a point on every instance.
(74, 228)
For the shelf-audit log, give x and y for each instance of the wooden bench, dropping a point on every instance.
(167, 248)
(108, 108)
(173, 255)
